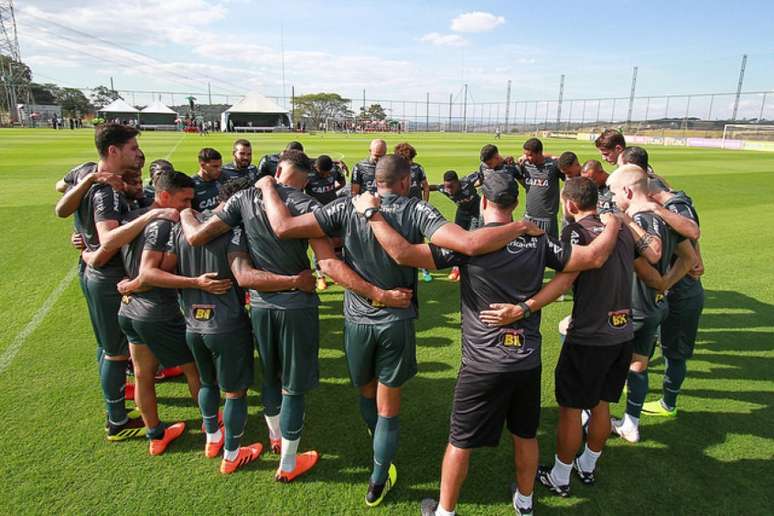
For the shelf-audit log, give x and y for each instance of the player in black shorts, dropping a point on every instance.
(325, 181)
(596, 353)
(499, 380)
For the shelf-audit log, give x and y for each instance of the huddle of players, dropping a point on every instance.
(257, 238)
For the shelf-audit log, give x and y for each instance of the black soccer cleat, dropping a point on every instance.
(586, 477)
(544, 477)
(377, 492)
(132, 428)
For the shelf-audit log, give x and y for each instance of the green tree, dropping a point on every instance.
(74, 103)
(45, 93)
(101, 96)
(319, 107)
(374, 112)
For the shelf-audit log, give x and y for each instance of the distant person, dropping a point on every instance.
(364, 171)
(242, 166)
(268, 164)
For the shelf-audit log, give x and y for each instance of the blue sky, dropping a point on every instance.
(401, 50)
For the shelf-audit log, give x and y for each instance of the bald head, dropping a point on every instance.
(628, 183)
(593, 170)
(392, 171)
(377, 149)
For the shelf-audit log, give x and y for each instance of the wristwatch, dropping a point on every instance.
(525, 309)
(370, 212)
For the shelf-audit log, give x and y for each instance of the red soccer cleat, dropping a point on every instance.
(169, 372)
(129, 391)
(247, 454)
(172, 432)
(304, 462)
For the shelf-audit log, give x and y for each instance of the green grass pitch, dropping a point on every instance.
(716, 457)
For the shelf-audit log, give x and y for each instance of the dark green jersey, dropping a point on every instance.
(605, 200)
(101, 203)
(466, 198)
(542, 185)
(418, 176)
(205, 193)
(207, 313)
(323, 188)
(156, 304)
(645, 300)
(268, 165)
(76, 174)
(269, 253)
(683, 205)
(412, 218)
(231, 171)
(364, 174)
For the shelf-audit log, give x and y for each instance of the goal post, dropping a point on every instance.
(747, 132)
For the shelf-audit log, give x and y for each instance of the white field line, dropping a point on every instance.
(13, 348)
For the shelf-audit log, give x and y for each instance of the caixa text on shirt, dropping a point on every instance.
(536, 181)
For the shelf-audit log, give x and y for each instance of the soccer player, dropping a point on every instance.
(419, 188)
(639, 156)
(156, 167)
(268, 164)
(285, 323)
(592, 169)
(595, 356)
(97, 220)
(569, 164)
(499, 380)
(610, 144)
(463, 193)
(379, 341)
(150, 317)
(207, 180)
(649, 308)
(242, 165)
(364, 172)
(685, 299)
(491, 159)
(540, 177)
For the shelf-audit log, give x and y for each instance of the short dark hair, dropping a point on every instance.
(112, 134)
(159, 165)
(450, 175)
(297, 160)
(294, 145)
(566, 159)
(172, 181)
(406, 151)
(243, 142)
(391, 168)
(488, 152)
(609, 139)
(233, 186)
(582, 191)
(209, 154)
(324, 163)
(533, 145)
(635, 156)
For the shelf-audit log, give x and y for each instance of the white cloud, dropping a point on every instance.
(477, 21)
(444, 40)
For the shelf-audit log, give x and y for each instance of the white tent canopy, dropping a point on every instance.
(119, 106)
(158, 108)
(255, 103)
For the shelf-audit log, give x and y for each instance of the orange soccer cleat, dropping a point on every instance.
(304, 462)
(172, 432)
(246, 455)
(212, 450)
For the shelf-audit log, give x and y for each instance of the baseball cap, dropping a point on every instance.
(500, 188)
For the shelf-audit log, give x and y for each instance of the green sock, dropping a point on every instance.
(385, 447)
(209, 401)
(292, 416)
(673, 380)
(271, 397)
(368, 411)
(638, 389)
(234, 419)
(112, 375)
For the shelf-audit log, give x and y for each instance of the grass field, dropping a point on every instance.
(716, 457)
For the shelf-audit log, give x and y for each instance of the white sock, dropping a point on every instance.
(440, 511)
(588, 459)
(273, 422)
(231, 455)
(561, 472)
(214, 437)
(288, 456)
(522, 501)
(630, 422)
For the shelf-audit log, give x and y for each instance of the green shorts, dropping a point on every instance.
(103, 300)
(678, 331)
(165, 339)
(288, 342)
(386, 351)
(646, 330)
(224, 359)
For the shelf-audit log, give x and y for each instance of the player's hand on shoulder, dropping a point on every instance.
(108, 178)
(396, 298)
(265, 182)
(364, 201)
(209, 283)
(500, 314)
(532, 228)
(305, 281)
(170, 214)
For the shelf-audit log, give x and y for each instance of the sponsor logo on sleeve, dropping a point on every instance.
(618, 319)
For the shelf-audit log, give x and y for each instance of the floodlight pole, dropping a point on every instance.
(451, 102)
(739, 87)
(631, 98)
(427, 112)
(465, 111)
(559, 104)
(507, 105)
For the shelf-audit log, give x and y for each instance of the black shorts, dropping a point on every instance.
(484, 401)
(586, 375)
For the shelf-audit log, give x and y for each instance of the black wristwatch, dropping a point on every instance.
(370, 212)
(525, 308)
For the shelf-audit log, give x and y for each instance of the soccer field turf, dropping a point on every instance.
(717, 456)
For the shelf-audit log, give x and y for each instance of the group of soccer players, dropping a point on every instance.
(164, 267)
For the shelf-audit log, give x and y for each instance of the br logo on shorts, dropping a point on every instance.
(513, 338)
(618, 319)
(203, 312)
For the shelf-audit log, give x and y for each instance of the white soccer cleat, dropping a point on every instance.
(628, 434)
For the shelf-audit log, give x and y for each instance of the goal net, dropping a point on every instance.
(748, 132)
